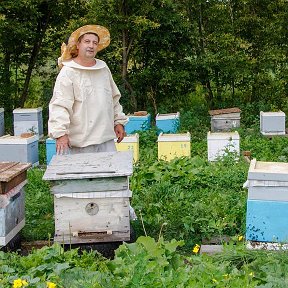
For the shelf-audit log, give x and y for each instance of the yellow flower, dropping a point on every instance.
(214, 280)
(51, 285)
(240, 238)
(196, 248)
(251, 274)
(18, 283)
(226, 276)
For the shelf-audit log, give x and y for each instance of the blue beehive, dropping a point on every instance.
(168, 123)
(138, 123)
(267, 204)
(50, 149)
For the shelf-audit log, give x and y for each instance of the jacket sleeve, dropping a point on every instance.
(119, 116)
(60, 106)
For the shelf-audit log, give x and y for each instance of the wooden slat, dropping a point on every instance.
(224, 111)
(12, 170)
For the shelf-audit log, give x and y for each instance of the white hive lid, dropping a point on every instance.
(27, 110)
(223, 135)
(90, 165)
(185, 137)
(8, 139)
(167, 116)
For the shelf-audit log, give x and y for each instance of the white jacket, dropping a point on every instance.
(85, 104)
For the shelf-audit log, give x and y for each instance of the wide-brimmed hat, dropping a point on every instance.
(69, 50)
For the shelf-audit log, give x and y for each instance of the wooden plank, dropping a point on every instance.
(12, 170)
(5, 187)
(224, 111)
(90, 165)
(90, 185)
(211, 249)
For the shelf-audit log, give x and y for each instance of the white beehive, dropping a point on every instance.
(2, 124)
(272, 123)
(28, 120)
(267, 203)
(19, 149)
(91, 196)
(219, 143)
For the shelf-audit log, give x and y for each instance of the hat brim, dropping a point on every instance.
(70, 50)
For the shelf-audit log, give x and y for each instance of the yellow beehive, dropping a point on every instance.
(130, 143)
(173, 145)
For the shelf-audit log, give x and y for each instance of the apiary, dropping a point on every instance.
(221, 143)
(50, 149)
(19, 149)
(272, 123)
(267, 203)
(225, 119)
(138, 122)
(91, 196)
(171, 146)
(28, 120)
(12, 205)
(129, 143)
(2, 124)
(168, 123)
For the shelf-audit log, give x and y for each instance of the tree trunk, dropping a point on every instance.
(6, 101)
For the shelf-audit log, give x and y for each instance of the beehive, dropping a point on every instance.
(138, 123)
(28, 120)
(267, 203)
(19, 149)
(219, 143)
(129, 143)
(50, 149)
(2, 123)
(272, 123)
(171, 146)
(225, 119)
(168, 123)
(12, 206)
(91, 196)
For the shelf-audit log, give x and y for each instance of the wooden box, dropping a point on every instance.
(91, 194)
(168, 123)
(19, 149)
(219, 143)
(171, 146)
(225, 119)
(2, 123)
(272, 123)
(267, 204)
(129, 143)
(138, 123)
(28, 120)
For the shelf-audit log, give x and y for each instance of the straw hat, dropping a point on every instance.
(70, 50)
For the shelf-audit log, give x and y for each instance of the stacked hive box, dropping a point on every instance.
(272, 123)
(225, 119)
(219, 143)
(50, 149)
(173, 145)
(91, 196)
(17, 148)
(2, 125)
(129, 143)
(267, 204)
(138, 122)
(168, 123)
(12, 209)
(28, 120)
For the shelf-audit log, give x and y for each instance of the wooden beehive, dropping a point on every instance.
(12, 206)
(91, 196)
(267, 203)
(225, 119)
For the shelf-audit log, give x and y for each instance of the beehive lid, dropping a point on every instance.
(167, 116)
(184, 137)
(272, 114)
(27, 110)
(90, 165)
(223, 135)
(275, 171)
(224, 111)
(8, 139)
(130, 138)
(9, 170)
